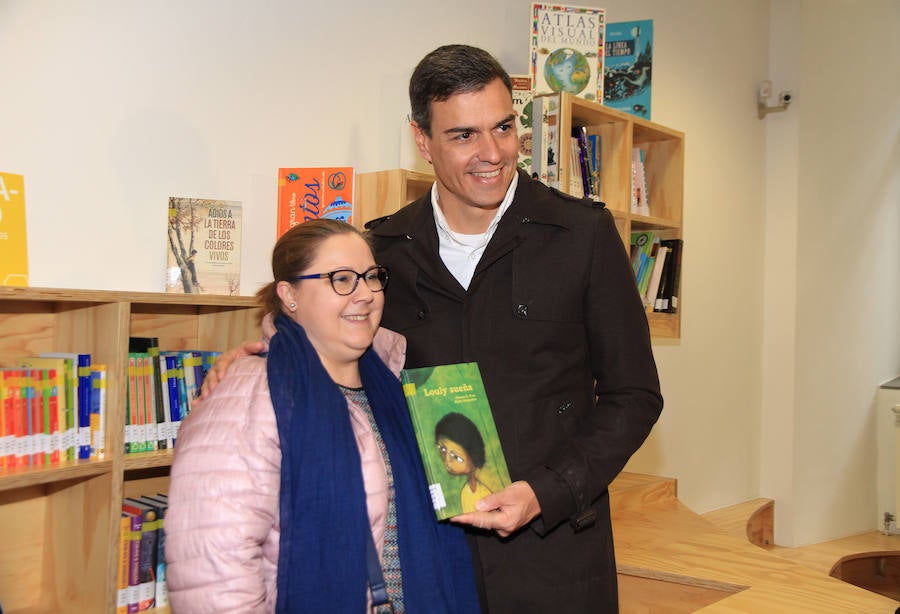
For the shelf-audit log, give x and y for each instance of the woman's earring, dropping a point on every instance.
(293, 306)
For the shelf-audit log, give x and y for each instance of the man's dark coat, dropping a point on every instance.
(552, 308)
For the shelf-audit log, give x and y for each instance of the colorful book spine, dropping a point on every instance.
(147, 560)
(98, 410)
(84, 406)
(134, 563)
(174, 397)
(123, 567)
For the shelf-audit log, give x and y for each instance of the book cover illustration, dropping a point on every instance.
(456, 434)
(309, 193)
(522, 105)
(628, 65)
(204, 246)
(567, 50)
(545, 141)
(13, 240)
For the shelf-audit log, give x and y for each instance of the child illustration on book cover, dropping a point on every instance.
(457, 437)
(462, 449)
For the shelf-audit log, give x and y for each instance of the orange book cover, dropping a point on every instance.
(308, 193)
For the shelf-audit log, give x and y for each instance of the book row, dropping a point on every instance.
(657, 269)
(52, 409)
(141, 577)
(162, 386)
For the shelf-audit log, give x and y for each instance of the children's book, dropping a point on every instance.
(309, 193)
(628, 66)
(545, 143)
(13, 243)
(148, 551)
(567, 50)
(203, 254)
(522, 105)
(456, 434)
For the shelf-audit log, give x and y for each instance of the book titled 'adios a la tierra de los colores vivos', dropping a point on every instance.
(203, 254)
(456, 434)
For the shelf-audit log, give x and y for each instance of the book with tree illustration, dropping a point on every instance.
(204, 246)
(567, 50)
(456, 434)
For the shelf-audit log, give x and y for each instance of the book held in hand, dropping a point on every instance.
(456, 434)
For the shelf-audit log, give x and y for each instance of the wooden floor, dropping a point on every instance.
(673, 560)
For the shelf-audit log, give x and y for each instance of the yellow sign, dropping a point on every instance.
(13, 244)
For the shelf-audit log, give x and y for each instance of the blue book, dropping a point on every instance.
(628, 66)
(175, 414)
(85, 386)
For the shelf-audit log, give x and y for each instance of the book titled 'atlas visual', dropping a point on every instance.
(204, 246)
(567, 50)
(309, 193)
(457, 437)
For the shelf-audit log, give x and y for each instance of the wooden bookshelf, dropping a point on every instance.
(58, 523)
(383, 192)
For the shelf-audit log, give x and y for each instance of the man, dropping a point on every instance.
(534, 286)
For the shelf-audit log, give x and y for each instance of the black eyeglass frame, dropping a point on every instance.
(377, 267)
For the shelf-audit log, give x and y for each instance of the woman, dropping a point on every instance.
(288, 469)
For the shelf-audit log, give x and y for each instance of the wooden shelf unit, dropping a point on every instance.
(58, 523)
(382, 192)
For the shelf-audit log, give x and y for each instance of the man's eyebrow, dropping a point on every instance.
(461, 129)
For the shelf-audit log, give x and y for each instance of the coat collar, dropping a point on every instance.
(533, 202)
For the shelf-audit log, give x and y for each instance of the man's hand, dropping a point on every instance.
(504, 512)
(224, 360)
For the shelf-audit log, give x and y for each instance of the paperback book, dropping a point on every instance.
(309, 193)
(567, 50)
(522, 105)
(204, 246)
(628, 65)
(456, 434)
(13, 243)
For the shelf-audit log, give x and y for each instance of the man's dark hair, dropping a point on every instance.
(450, 70)
(464, 432)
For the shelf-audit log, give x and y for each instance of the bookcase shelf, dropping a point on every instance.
(59, 523)
(383, 192)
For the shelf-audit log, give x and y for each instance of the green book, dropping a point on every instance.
(456, 434)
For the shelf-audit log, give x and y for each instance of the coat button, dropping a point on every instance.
(420, 315)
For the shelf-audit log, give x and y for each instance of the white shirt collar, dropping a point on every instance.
(461, 252)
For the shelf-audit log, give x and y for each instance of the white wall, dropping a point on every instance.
(110, 107)
(848, 252)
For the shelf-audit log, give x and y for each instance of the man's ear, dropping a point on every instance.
(422, 141)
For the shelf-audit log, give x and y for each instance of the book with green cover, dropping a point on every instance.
(456, 434)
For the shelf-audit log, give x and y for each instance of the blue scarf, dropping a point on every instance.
(322, 557)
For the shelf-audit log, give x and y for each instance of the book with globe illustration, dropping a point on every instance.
(314, 192)
(567, 50)
(456, 434)
(628, 64)
(203, 247)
